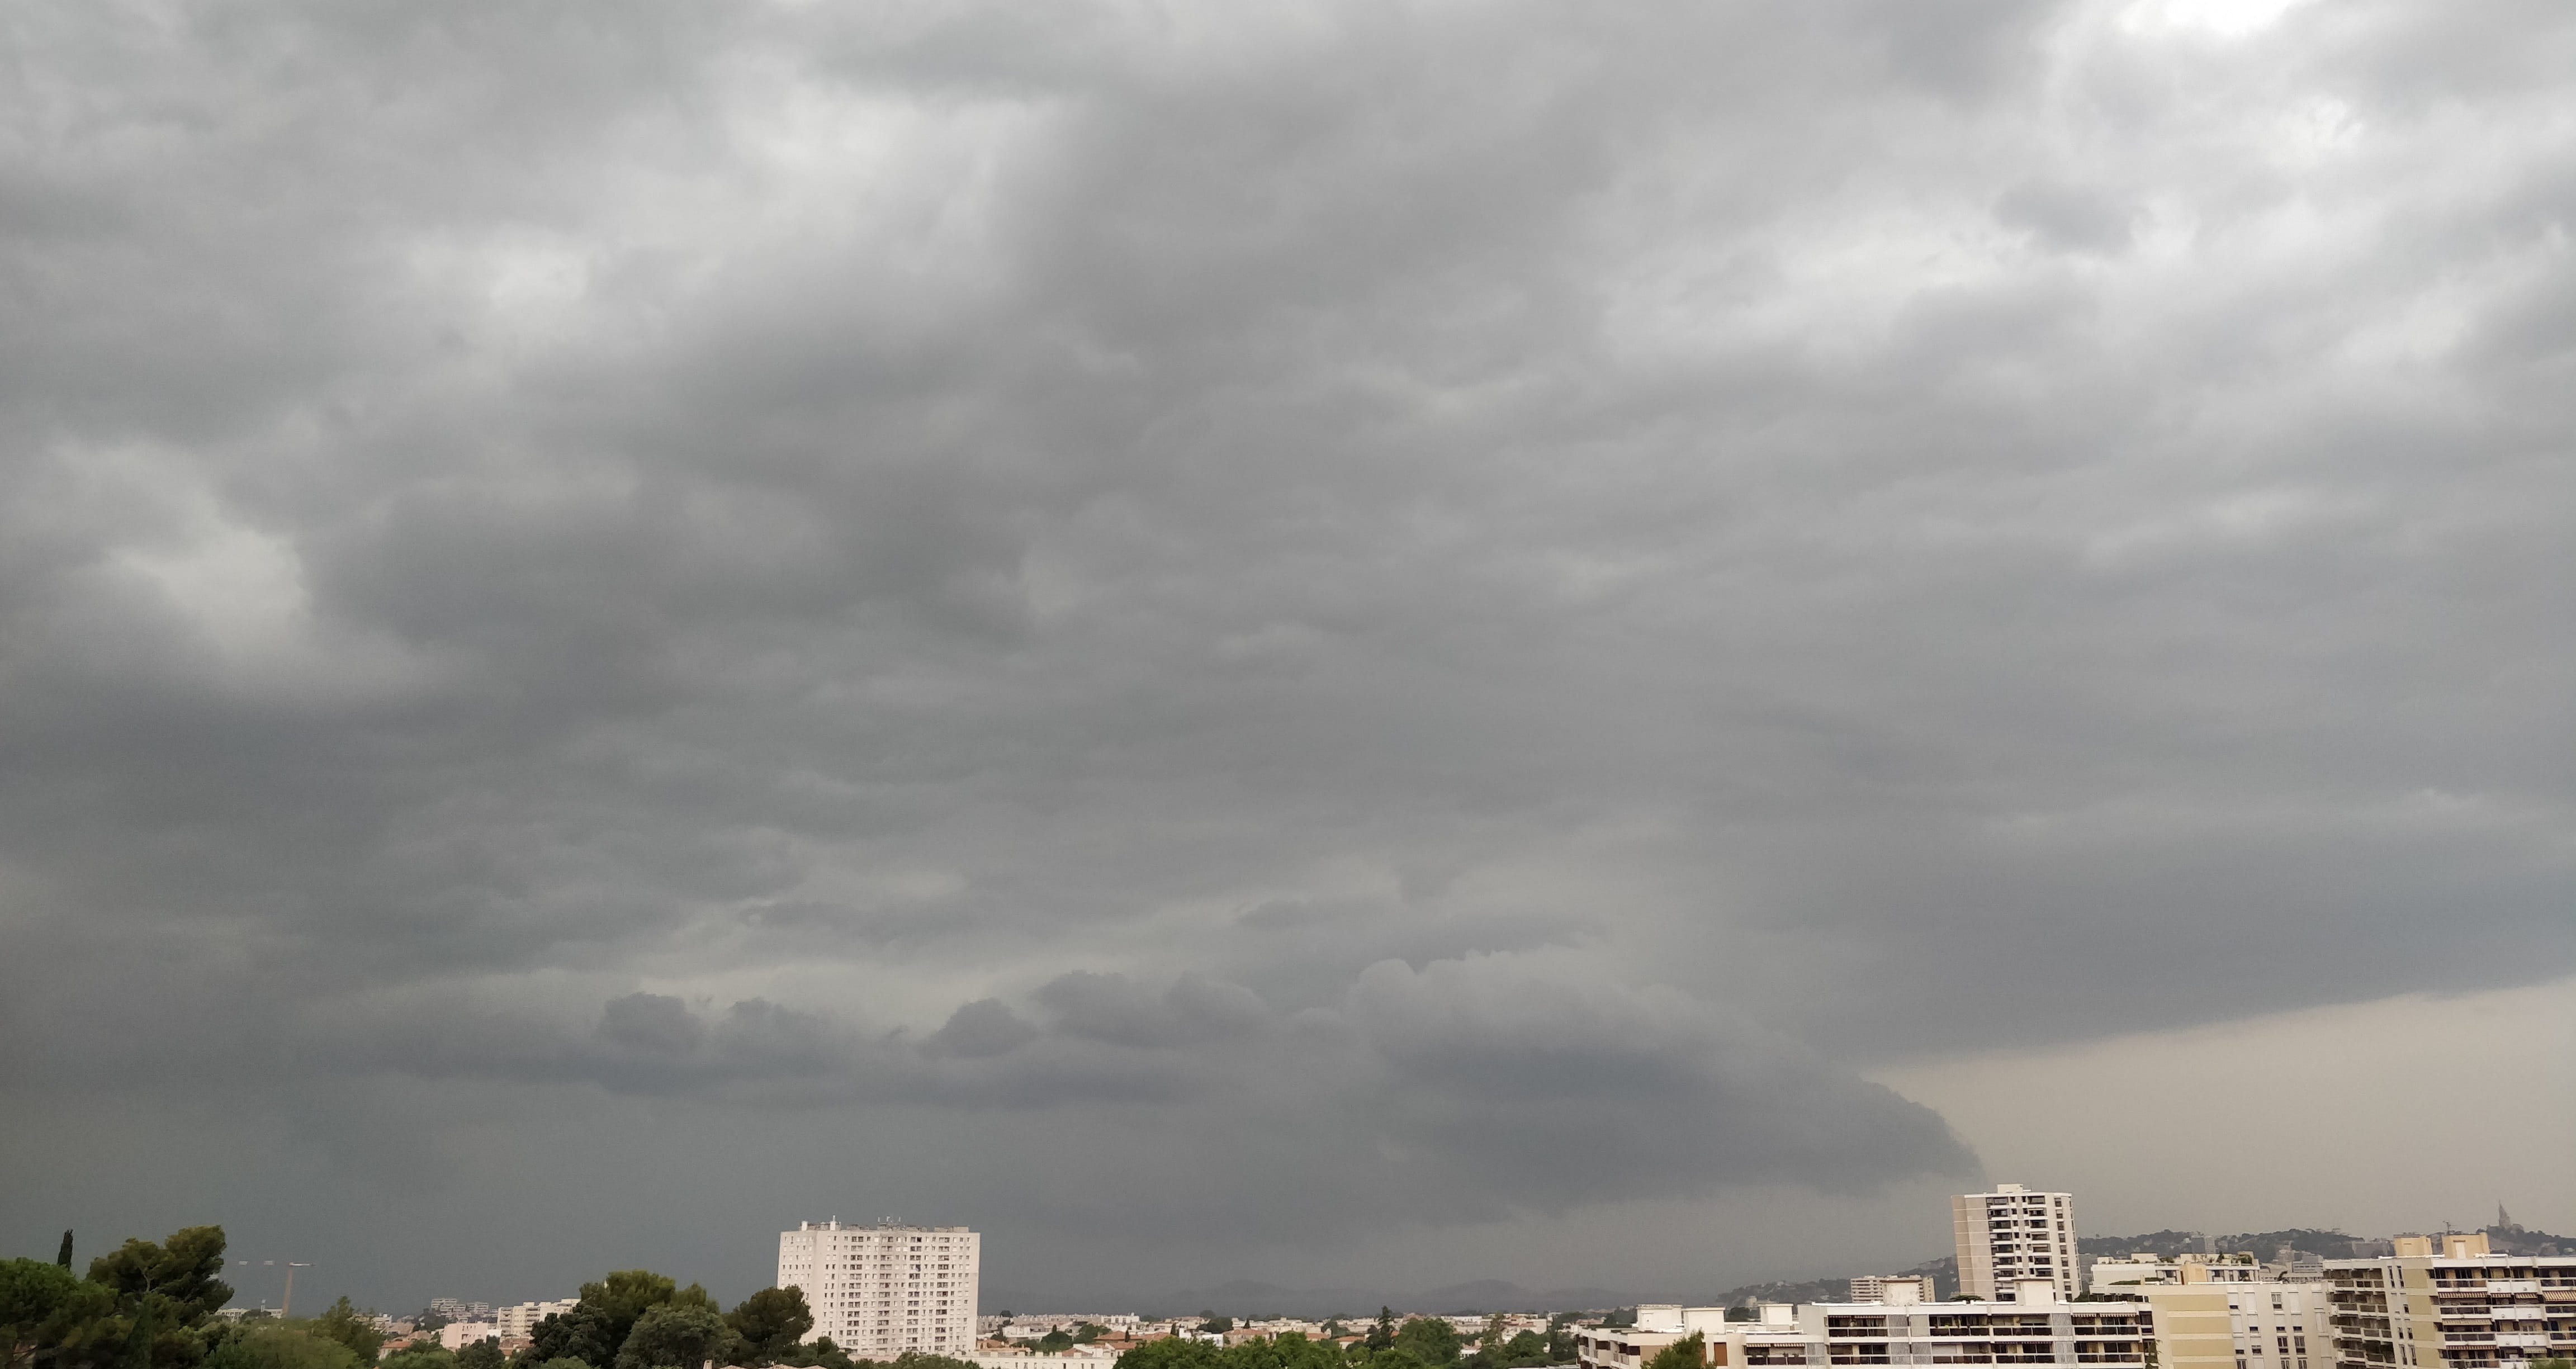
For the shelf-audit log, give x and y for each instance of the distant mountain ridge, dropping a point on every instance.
(1944, 1273)
(1243, 1298)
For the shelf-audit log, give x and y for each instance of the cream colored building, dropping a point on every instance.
(877, 1291)
(2449, 1301)
(520, 1319)
(2012, 1234)
(2206, 1323)
(2109, 1276)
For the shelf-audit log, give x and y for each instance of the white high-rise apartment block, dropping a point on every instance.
(878, 1291)
(2012, 1234)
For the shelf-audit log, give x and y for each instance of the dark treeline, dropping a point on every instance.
(1420, 1343)
(152, 1306)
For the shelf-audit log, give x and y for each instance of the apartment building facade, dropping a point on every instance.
(520, 1319)
(2449, 1301)
(2036, 1327)
(877, 1291)
(2204, 1323)
(2014, 1234)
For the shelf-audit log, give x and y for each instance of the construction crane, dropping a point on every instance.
(288, 1309)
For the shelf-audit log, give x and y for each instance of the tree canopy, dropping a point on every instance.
(423, 1355)
(637, 1319)
(145, 1305)
(1690, 1352)
(771, 1321)
(31, 1292)
(345, 1324)
(1291, 1350)
(675, 1335)
(1431, 1340)
(181, 1270)
(1522, 1350)
(281, 1347)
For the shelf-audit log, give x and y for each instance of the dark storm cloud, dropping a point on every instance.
(1455, 1092)
(1384, 614)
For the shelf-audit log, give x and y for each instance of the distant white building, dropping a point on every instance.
(1899, 1289)
(2112, 1276)
(2013, 1234)
(458, 1309)
(456, 1335)
(877, 1291)
(1079, 1357)
(1035, 1325)
(520, 1319)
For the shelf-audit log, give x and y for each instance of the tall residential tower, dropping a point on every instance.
(2013, 1233)
(878, 1291)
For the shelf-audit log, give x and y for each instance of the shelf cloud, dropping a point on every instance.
(1256, 626)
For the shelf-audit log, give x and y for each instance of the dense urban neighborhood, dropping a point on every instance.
(2021, 1287)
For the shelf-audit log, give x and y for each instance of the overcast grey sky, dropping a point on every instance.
(1361, 644)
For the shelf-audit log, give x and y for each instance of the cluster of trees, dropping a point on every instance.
(637, 1319)
(152, 1306)
(1419, 1343)
(142, 1306)
(1690, 1352)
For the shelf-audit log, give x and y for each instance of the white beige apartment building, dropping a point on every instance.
(456, 1335)
(2449, 1301)
(1895, 1288)
(520, 1319)
(877, 1291)
(2107, 1275)
(2036, 1327)
(2203, 1322)
(2012, 1234)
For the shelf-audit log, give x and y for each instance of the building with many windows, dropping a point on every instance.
(2209, 1323)
(2449, 1301)
(2013, 1234)
(520, 1319)
(877, 1291)
(2036, 1327)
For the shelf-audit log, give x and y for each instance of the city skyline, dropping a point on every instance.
(1931, 1280)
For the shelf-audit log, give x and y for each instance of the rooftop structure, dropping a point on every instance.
(1900, 1289)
